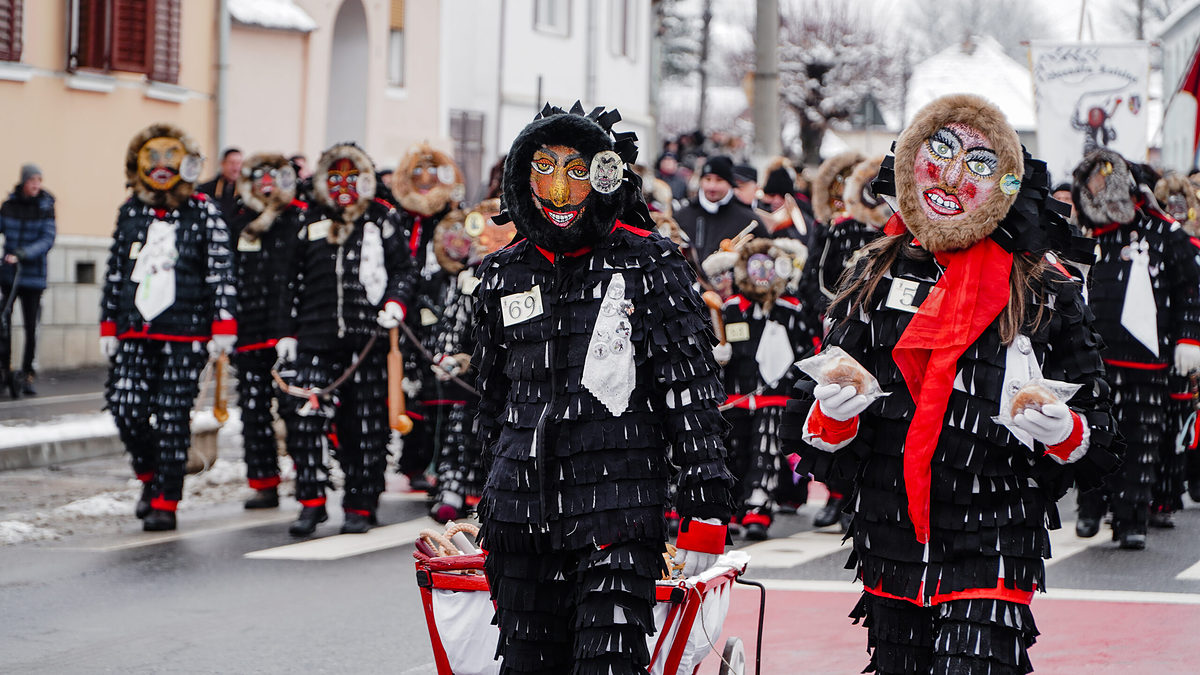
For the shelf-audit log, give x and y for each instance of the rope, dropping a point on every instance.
(416, 342)
(324, 392)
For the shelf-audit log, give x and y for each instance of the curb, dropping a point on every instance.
(80, 438)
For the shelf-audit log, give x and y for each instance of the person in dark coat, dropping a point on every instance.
(169, 290)
(960, 316)
(717, 214)
(223, 188)
(27, 223)
(598, 389)
(265, 229)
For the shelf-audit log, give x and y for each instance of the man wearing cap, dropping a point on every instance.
(717, 214)
(27, 223)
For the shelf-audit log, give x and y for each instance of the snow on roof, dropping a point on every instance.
(277, 14)
(984, 71)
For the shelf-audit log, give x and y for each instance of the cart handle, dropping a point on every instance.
(762, 610)
(450, 563)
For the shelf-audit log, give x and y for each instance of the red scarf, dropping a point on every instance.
(965, 301)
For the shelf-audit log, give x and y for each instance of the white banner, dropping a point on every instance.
(1090, 95)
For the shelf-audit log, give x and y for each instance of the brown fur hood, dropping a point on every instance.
(969, 228)
(366, 187)
(1175, 184)
(793, 252)
(285, 191)
(448, 191)
(185, 188)
(823, 185)
(861, 201)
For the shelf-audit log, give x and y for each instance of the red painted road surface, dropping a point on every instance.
(809, 632)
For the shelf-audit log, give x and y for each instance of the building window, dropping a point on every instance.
(552, 16)
(622, 27)
(138, 36)
(395, 58)
(10, 30)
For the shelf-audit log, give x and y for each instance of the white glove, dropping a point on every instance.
(108, 346)
(840, 403)
(694, 562)
(285, 349)
(722, 353)
(391, 315)
(1052, 425)
(221, 344)
(446, 366)
(1187, 358)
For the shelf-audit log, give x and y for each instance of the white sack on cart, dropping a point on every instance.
(459, 616)
(710, 618)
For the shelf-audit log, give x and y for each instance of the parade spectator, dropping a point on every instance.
(27, 223)
(717, 214)
(223, 188)
(745, 185)
(668, 171)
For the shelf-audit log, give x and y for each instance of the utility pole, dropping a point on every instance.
(706, 18)
(766, 81)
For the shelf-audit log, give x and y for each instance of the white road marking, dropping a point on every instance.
(1087, 594)
(795, 550)
(48, 400)
(1064, 543)
(150, 538)
(347, 545)
(1190, 574)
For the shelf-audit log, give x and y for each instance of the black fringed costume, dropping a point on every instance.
(1139, 377)
(958, 603)
(328, 308)
(265, 230)
(154, 375)
(572, 512)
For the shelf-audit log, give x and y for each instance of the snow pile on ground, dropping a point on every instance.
(17, 532)
(99, 506)
(65, 428)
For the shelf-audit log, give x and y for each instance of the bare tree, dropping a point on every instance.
(1142, 17)
(830, 58)
(936, 24)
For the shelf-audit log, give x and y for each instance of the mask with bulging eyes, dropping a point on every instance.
(343, 183)
(159, 161)
(559, 179)
(955, 172)
(272, 184)
(760, 269)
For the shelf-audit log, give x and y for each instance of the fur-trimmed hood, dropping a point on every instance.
(1114, 203)
(186, 186)
(365, 186)
(1174, 185)
(830, 182)
(589, 134)
(284, 193)
(861, 201)
(789, 256)
(969, 228)
(448, 191)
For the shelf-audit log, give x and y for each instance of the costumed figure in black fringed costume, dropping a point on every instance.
(350, 275)
(1180, 198)
(428, 186)
(959, 314)
(766, 332)
(168, 290)
(853, 216)
(265, 229)
(1145, 292)
(460, 244)
(597, 383)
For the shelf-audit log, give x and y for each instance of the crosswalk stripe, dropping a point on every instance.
(347, 545)
(1190, 574)
(1064, 543)
(794, 550)
(1086, 594)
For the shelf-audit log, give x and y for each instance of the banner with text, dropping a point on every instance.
(1089, 95)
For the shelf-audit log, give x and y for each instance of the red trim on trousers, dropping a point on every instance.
(759, 518)
(358, 512)
(319, 501)
(161, 503)
(263, 483)
(146, 477)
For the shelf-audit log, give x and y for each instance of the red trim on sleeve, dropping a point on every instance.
(703, 537)
(1187, 341)
(108, 329)
(224, 327)
(161, 504)
(263, 483)
(830, 430)
(1063, 450)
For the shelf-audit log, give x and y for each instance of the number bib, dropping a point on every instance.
(521, 307)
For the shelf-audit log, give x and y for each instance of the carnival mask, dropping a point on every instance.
(1104, 197)
(559, 180)
(760, 269)
(425, 175)
(955, 172)
(837, 203)
(159, 161)
(268, 181)
(343, 183)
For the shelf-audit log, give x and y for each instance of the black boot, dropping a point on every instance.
(357, 523)
(27, 378)
(9, 381)
(143, 506)
(306, 524)
(1092, 507)
(1162, 519)
(267, 498)
(1133, 541)
(420, 483)
(158, 520)
(830, 513)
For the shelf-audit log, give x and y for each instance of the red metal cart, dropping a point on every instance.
(689, 615)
